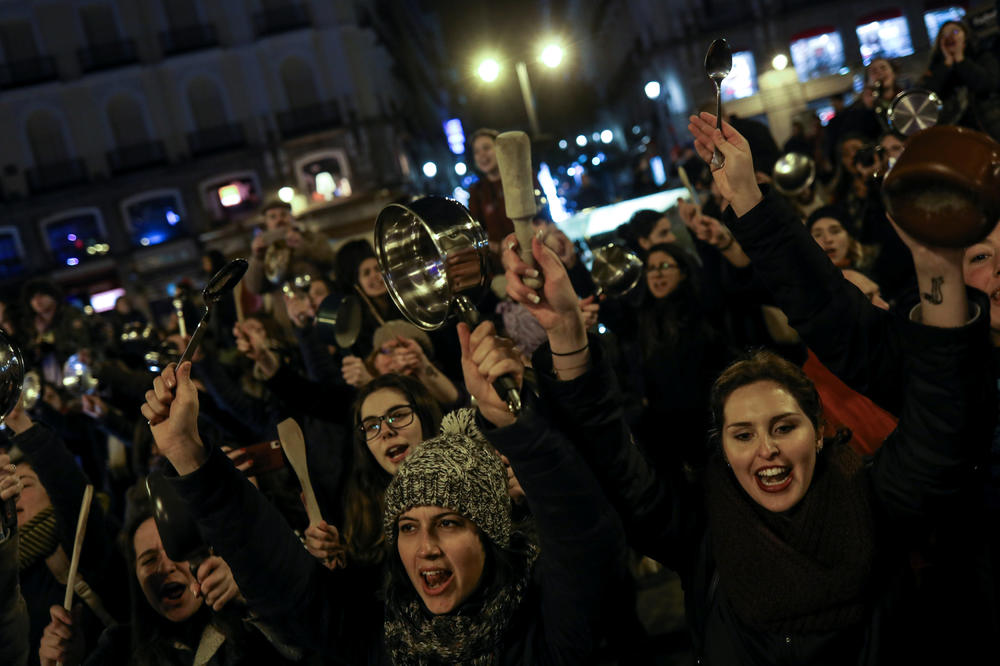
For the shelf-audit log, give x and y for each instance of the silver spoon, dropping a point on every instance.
(718, 63)
(221, 284)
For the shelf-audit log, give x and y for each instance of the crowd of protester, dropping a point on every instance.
(794, 410)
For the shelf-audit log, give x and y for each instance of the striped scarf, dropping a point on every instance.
(38, 538)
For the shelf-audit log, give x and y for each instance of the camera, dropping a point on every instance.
(868, 155)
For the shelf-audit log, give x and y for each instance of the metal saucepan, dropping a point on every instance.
(178, 530)
(338, 321)
(11, 375)
(793, 173)
(434, 256)
(615, 271)
(913, 110)
(77, 377)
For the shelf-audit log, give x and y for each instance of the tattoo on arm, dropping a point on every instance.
(935, 297)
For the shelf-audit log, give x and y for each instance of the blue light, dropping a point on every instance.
(72, 261)
(602, 329)
(71, 238)
(455, 134)
(172, 219)
(548, 184)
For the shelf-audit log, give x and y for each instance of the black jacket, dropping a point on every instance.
(919, 474)
(334, 612)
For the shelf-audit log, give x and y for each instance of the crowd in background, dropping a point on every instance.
(866, 535)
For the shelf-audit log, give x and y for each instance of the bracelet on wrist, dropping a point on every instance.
(728, 245)
(572, 353)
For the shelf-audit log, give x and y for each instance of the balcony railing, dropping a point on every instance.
(104, 56)
(28, 72)
(189, 38)
(216, 139)
(47, 177)
(292, 16)
(306, 119)
(137, 156)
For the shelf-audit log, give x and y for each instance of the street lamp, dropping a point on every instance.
(652, 89)
(489, 70)
(552, 55)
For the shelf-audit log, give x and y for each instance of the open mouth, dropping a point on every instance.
(995, 297)
(773, 479)
(397, 452)
(435, 580)
(172, 591)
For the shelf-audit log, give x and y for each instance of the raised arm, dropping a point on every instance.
(332, 612)
(837, 321)
(581, 540)
(581, 393)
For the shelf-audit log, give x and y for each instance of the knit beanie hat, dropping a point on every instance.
(457, 470)
(404, 329)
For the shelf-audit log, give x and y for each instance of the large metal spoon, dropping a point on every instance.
(718, 63)
(221, 284)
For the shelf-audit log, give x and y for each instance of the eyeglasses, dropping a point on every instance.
(660, 268)
(396, 418)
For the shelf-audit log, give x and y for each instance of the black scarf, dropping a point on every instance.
(804, 570)
(470, 637)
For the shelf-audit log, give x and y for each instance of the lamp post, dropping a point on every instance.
(551, 56)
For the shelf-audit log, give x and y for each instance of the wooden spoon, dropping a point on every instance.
(292, 441)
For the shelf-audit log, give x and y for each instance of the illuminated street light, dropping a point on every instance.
(607, 136)
(652, 89)
(581, 140)
(430, 169)
(460, 168)
(489, 70)
(552, 55)
(780, 62)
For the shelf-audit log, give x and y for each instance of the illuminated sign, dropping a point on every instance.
(817, 52)
(742, 79)
(884, 35)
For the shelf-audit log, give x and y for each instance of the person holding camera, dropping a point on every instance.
(282, 242)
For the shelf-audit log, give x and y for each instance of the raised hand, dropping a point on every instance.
(485, 357)
(215, 582)
(557, 306)
(61, 643)
(323, 543)
(354, 371)
(171, 408)
(10, 482)
(736, 179)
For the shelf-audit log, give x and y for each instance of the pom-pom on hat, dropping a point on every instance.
(457, 470)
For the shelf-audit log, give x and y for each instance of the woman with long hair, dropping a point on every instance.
(178, 616)
(469, 587)
(965, 77)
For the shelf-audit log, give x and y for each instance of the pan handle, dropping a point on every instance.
(505, 385)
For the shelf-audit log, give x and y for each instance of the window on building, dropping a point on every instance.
(75, 236)
(11, 253)
(817, 52)
(232, 196)
(935, 18)
(742, 79)
(884, 35)
(324, 176)
(154, 217)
